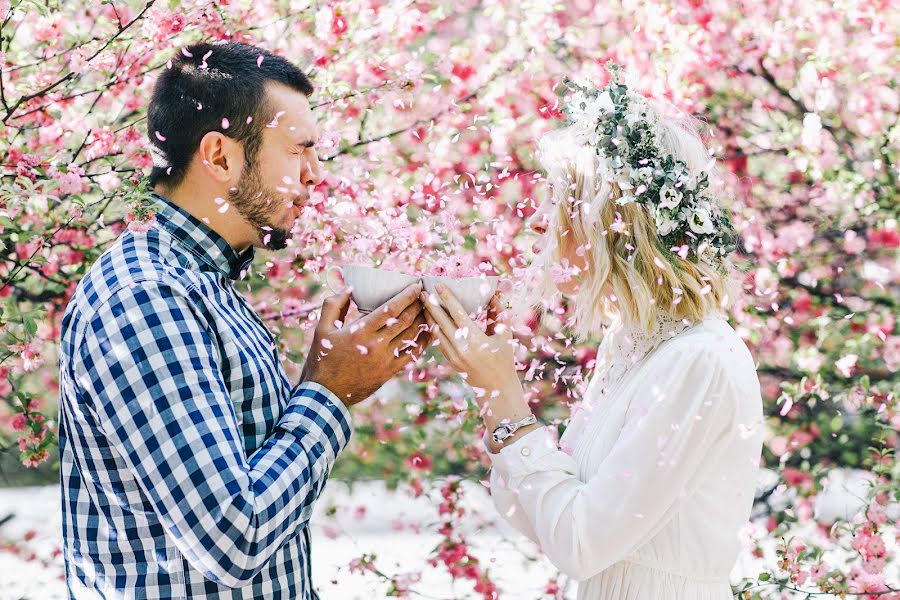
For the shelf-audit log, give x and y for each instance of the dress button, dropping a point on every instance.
(526, 451)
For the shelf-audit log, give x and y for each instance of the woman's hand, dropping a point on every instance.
(485, 359)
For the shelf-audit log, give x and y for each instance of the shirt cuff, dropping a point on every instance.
(525, 454)
(315, 409)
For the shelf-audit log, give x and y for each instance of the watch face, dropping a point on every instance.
(501, 432)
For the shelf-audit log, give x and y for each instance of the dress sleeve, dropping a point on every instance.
(506, 500)
(672, 422)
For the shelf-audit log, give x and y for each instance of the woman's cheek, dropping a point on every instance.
(570, 288)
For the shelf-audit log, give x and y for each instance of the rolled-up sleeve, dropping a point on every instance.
(149, 368)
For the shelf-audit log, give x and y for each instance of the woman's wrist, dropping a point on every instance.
(495, 447)
(507, 406)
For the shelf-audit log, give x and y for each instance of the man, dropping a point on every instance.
(189, 467)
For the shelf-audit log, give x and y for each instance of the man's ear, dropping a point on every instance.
(220, 157)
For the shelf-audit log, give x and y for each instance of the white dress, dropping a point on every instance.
(644, 495)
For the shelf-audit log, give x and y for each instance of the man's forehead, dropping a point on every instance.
(293, 116)
(294, 123)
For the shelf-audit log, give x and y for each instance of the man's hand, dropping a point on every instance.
(354, 359)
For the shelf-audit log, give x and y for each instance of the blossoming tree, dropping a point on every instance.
(429, 112)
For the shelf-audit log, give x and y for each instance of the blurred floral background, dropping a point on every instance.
(429, 113)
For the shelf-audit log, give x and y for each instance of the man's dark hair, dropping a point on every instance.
(213, 87)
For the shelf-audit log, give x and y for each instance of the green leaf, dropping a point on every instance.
(30, 326)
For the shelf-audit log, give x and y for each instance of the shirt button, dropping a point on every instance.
(526, 451)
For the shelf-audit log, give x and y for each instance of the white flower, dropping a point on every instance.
(685, 179)
(577, 99)
(595, 108)
(665, 224)
(642, 174)
(669, 197)
(632, 117)
(585, 135)
(845, 365)
(700, 220)
(605, 102)
(811, 137)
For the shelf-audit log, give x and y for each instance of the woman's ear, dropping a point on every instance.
(221, 157)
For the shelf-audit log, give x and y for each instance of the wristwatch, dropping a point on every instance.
(506, 430)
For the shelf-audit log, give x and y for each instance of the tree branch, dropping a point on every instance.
(421, 121)
(71, 75)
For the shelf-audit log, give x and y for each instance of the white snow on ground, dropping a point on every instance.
(381, 527)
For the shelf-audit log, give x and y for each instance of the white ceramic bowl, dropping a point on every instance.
(373, 287)
(473, 293)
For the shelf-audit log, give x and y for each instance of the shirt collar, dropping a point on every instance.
(201, 239)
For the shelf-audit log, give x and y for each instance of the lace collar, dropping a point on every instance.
(626, 345)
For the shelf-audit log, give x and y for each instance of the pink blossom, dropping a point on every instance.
(19, 421)
(891, 352)
(419, 461)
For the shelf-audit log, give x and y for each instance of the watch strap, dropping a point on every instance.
(506, 430)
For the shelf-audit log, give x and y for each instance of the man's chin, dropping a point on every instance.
(276, 239)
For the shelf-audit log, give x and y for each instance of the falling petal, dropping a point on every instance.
(160, 136)
(223, 208)
(259, 60)
(788, 403)
(225, 123)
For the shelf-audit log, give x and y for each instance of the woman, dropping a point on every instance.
(655, 474)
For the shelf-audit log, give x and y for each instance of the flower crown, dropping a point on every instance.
(620, 124)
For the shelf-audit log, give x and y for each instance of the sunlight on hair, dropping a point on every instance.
(630, 274)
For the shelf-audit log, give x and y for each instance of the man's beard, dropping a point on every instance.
(257, 203)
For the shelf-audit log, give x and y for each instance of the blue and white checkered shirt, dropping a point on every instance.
(189, 467)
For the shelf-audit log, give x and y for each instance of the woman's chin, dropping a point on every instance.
(568, 288)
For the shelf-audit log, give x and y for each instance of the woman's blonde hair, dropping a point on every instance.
(629, 273)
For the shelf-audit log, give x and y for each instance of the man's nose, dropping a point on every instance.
(312, 172)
